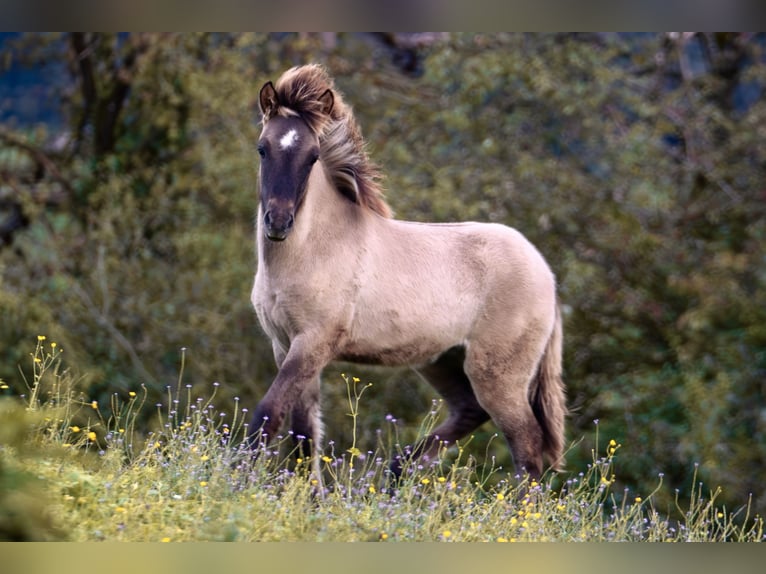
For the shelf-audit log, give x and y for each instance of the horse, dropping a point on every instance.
(472, 307)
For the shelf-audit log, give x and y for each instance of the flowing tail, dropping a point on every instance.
(548, 398)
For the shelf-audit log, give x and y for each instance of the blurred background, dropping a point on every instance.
(635, 162)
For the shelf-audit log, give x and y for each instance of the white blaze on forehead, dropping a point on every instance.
(287, 140)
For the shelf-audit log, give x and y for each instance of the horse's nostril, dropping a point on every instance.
(278, 223)
(280, 220)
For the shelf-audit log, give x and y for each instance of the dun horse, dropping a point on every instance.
(471, 306)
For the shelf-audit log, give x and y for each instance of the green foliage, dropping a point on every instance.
(25, 511)
(25, 504)
(193, 480)
(638, 176)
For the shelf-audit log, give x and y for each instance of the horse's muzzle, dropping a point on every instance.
(278, 224)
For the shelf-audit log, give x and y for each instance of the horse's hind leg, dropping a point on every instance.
(501, 379)
(447, 376)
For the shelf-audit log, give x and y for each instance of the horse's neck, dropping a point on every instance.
(326, 223)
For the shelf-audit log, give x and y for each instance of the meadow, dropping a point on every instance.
(74, 469)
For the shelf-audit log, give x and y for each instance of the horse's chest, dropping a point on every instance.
(287, 308)
(273, 309)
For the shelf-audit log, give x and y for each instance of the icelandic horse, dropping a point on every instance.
(472, 307)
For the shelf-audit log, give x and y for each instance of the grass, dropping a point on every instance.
(72, 469)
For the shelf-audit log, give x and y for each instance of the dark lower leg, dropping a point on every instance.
(306, 424)
(446, 375)
(458, 425)
(264, 424)
(525, 439)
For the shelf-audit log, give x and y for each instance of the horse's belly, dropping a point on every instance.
(400, 344)
(415, 353)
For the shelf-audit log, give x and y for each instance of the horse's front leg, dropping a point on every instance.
(306, 421)
(307, 427)
(306, 417)
(294, 390)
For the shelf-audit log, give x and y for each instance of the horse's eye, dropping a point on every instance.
(261, 151)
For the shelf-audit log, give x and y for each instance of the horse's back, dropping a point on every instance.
(425, 288)
(479, 255)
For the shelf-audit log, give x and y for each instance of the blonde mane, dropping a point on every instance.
(342, 147)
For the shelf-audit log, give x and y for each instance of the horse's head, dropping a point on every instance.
(289, 148)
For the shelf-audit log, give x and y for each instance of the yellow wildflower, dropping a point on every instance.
(132, 394)
(75, 428)
(203, 483)
(425, 481)
(166, 539)
(92, 436)
(500, 496)
(446, 534)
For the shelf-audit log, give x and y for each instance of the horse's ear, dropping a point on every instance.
(268, 100)
(327, 100)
